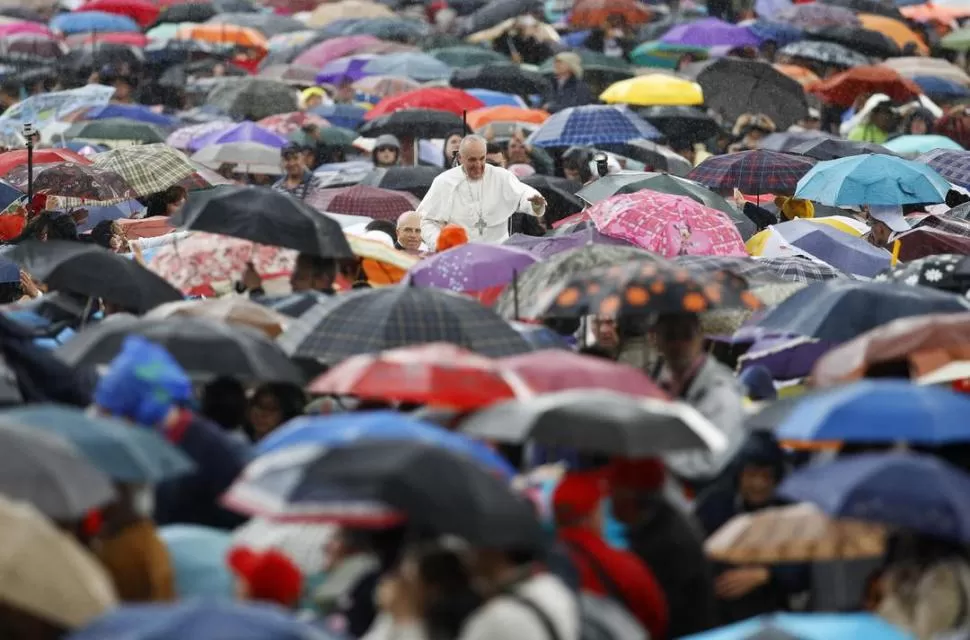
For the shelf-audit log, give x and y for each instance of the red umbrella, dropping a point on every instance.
(361, 200)
(553, 370)
(13, 159)
(439, 99)
(141, 11)
(927, 241)
(139, 40)
(843, 88)
(436, 374)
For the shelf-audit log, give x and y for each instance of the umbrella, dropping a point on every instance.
(550, 370)
(733, 87)
(413, 180)
(249, 157)
(223, 34)
(827, 53)
(373, 320)
(924, 66)
(130, 112)
(135, 456)
(655, 156)
(296, 305)
(545, 246)
(116, 129)
(204, 348)
(330, 12)
(88, 270)
(816, 16)
(910, 146)
(787, 269)
(348, 116)
(834, 148)
(757, 171)
(265, 216)
(839, 310)
(375, 483)
(478, 270)
(789, 140)
(414, 123)
(591, 14)
(147, 168)
(12, 159)
(842, 88)
(379, 426)
(242, 132)
(361, 200)
(91, 21)
(912, 491)
(591, 125)
(844, 251)
(320, 53)
(268, 24)
(597, 421)
(395, 28)
(496, 12)
(286, 123)
(504, 77)
(466, 56)
(51, 475)
(599, 69)
(438, 374)
(59, 581)
(798, 626)
(346, 68)
(644, 288)
(76, 181)
(252, 98)
(497, 98)
(872, 180)
(559, 193)
(200, 619)
(227, 309)
(868, 42)
(681, 123)
(945, 272)
(710, 32)
(436, 98)
(654, 89)
(941, 89)
(384, 86)
(419, 66)
(666, 224)
(794, 533)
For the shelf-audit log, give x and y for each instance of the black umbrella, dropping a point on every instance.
(187, 12)
(507, 78)
(414, 180)
(788, 140)
(865, 41)
(656, 157)
(269, 24)
(22, 13)
(413, 123)
(833, 148)
(560, 195)
(498, 11)
(89, 270)
(99, 54)
(250, 98)
(440, 492)
(296, 304)
(596, 421)
(204, 348)
(265, 216)
(869, 6)
(733, 86)
(829, 53)
(684, 124)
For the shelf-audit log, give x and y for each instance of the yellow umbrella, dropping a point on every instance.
(654, 89)
(383, 264)
(757, 243)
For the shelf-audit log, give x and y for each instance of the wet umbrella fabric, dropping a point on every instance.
(414, 180)
(681, 123)
(89, 270)
(413, 123)
(507, 78)
(252, 98)
(75, 181)
(754, 172)
(592, 125)
(733, 86)
(833, 148)
(116, 129)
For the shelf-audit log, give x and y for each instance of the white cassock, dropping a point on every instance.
(483, 206)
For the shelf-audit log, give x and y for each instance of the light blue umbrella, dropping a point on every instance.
(132, 112)
(89, 21)
(872, 179)
(809, 626)
(592, 125)
(912, 146)
(418, 66)
(198, 558)
(497, 98)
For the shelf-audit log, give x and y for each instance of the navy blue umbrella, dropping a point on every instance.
(592, 125)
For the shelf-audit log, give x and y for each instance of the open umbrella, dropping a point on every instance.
(833, 148)
(785, 626)
(252, 98)
(550, 370)
(361, 200)
(466, 56)
(504, 77)
(842, 88)
(81, 182)
(681, 123)
(710, 32)
(413, 180)
(910, 146)
(872, 180)
(756, 172)
(437, 98)
(116, 129)
(419, 66)
(847, 252)
(946, 272)
(591, 125)
(130, 112)
(146, 168)
(654, 89)
(242, 132)
(828, 53)
(868, 42)
(478, 270)
(733, 87)
(591, 14)
(228, 309)
(413, 123)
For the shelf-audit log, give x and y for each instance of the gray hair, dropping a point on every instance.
(468, 141)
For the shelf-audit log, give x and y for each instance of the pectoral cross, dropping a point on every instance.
(481, 225)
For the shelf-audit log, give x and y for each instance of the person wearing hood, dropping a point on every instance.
(387, 152)
(875, 123)
(568, 87)
(884, 221)
(918, 122)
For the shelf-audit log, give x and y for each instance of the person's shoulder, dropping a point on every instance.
(505, 616)
(450, 176)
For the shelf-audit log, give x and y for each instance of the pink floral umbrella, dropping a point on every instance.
(286, 123)
(668, 225)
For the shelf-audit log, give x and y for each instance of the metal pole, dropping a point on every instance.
(30, 170)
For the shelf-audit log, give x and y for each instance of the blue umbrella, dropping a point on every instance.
(198, 558)
(914, 145)
(242, 132)
(903, 489)
(136, 456)
(497, 98)
(200, 619)
(77, 145)
(419, 66)
(112, 212)
(808, 626)
(780, 33)
(839, 310)
(88, 21)
(872, 179)
(132, 112)
(348, 67)
(540, 336)
(880, 411)
(333, 431)
(843, 251)
(592, 125)
(348, 116)
(938, 87)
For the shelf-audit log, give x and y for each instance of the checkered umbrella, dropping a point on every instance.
(767, 270)
(147, 168)
(952, 165)
(756, 172)
(798, 269)
(374, 320)
(591, 125)
(361, 200)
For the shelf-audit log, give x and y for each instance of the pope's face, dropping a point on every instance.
(473, 161)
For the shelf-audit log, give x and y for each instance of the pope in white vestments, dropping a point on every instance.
(478, 196)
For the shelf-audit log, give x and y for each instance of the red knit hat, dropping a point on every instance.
(451, 235)
(269, 576)
(647, 474)
(577, 496)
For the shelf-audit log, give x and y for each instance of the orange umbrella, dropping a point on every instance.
(224, 34)
(799, 74)
(843, 88)
(591, 14)
(505, 113)
(895, 30)
(935, 13)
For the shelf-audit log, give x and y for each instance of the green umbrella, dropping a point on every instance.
(329, 136)
(958, 40)
(116, 129)
(597, 67)
(466, 56)
(665, 56)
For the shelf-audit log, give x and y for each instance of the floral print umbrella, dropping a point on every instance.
(286, 123)
(668, 225)
(946, 272)
(73, 181)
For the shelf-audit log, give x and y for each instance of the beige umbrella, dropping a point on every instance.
(543, 32)
(331, 12)
(228, 309)
(796, 533)
(910, 67)
(45, 573)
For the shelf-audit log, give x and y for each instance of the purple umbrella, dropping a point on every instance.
(786, 357)
(351, 67)
(319, 55)
(242, 132)
(545, 246)
(710, 32)
(481, 270)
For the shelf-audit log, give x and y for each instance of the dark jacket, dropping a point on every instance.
(573, 93)
(596, 41)
(531, 50)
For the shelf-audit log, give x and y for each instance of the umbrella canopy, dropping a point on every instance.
(591, 125)
(376, 483)
(327, 13)
(252, 98)
(550, 370)
(733, 87)
(242, 132)
(768, 270)
(503, 77)
(437, 98)
(872, 180)
(227, 309)
(839, 310)
(80, 182)
(817, 16)
(249, 157)
(710, 32)
(946, 272)
(654, 89)
(866, 41)
(413, 123)
(842, 88)
(829, 53)
(320, 53)
(603, 422)
(378, 319)
(560, 195)
(361, 200)
(834, 148)
(910, 146)
(135, 456)
(265, 216)
(826, 242)
(757, 172)
(414, 180)
(593, 13)
(148, 168)
(681, 123)
(129, 111)
(419, 66)
(655, 157)
(89, 270)
(91, 21)
(204, 348)
(466, 56)
(59, 581)
(785, 626)
(116, 129)
(479, 270)
(268, 24)
(10, 160)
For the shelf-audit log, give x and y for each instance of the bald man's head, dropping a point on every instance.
(409, 231)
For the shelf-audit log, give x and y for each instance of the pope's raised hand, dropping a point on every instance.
(537, 201)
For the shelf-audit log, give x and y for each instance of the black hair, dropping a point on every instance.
(290, 397)
(491, 148)
(386, 226)
(447, 584)
(319, 266)
(224, 402)
(578, 159)
(102, 233)
(157, 203)
(59, 227)
(11, 87)
(954, 198)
